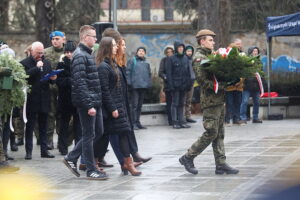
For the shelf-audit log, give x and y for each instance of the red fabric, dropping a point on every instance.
(272, 94)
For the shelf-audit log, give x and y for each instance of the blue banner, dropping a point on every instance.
(287, 25)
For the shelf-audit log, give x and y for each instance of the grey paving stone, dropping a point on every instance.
(266, 154)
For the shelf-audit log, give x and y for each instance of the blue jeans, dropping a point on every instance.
(233, 103)
(245, 98)
(91, 126)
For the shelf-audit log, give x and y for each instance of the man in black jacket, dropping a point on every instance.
(38, 99)
(178, 76)
(169, 51)
(86, 97)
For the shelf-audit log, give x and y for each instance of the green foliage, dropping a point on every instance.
(152, 94)
(15, 96)
(231, 67)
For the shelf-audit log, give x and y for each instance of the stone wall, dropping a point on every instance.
(156, 42)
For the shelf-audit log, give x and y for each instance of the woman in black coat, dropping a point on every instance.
(114, 92)
(64, 102)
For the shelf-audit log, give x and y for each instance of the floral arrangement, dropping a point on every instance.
(14, 96)
(229, 65)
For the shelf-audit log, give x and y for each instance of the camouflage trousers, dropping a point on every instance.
(2, 154)
(213, 123)
(188, 103)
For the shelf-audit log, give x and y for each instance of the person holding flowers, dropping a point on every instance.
(212, 103)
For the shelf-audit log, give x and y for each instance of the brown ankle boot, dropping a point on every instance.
(128, 165)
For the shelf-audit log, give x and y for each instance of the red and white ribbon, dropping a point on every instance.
(24, 106)
(261, 87)
(216, 85)
(11, 121)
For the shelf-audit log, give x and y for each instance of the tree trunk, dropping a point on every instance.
(44, 18)
(4, 6)
(216, 16)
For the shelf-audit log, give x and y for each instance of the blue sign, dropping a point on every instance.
(287, 25)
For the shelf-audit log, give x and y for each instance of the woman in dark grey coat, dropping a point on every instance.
(114, 92)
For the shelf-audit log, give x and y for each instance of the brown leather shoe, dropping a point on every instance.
(82, 167)
(128, 165)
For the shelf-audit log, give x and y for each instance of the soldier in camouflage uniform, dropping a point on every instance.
(213, 111)
(4, 165)
(53, 54)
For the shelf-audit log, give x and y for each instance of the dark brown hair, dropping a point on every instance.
(120, 57)
(105, 52)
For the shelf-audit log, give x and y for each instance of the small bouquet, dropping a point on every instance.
(229, 65)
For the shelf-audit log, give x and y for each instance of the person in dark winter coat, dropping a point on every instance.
(189, 52)
(169, 51)
(179, 79)
(114, 89)
(102, 144)
(38, 99)
(251, 89)
(86, 97)
(64, 102)
(139, 80)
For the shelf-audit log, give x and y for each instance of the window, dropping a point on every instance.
(146, 4)
(169, 8)
(122, 4)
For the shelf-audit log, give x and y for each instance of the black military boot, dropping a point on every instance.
(225, 168)
(188, 164)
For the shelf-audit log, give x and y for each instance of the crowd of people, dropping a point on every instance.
(94, 97)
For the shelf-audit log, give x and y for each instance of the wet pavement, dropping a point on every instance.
(267, 155)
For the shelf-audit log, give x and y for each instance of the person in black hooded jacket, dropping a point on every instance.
(179, 78)
(251, 89)
(64, 102)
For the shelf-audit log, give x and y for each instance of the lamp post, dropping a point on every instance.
(115, 14)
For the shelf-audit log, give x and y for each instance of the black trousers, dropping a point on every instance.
(177, 106)
(42, 124)
(137, 99)
(168, 96)
(100, 145)
(65, 118)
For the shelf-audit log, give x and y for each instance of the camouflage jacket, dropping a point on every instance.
(53, 55)
(208, 97)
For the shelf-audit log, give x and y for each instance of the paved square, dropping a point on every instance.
(267, 155)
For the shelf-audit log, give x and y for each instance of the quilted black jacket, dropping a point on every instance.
(86, 89)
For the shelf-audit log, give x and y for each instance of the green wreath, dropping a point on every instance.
(11, 87)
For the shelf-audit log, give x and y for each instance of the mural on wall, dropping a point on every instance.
(155, 45)
(282, 63)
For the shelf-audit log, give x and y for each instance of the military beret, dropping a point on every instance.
(205, 32)
(56, 33)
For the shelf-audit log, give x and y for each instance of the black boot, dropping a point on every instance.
(138, 158)
(13, 145)
(183, 125)
(50, 145)
(20, 141)
(225, 168)
(188, 163)
(176, 125)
